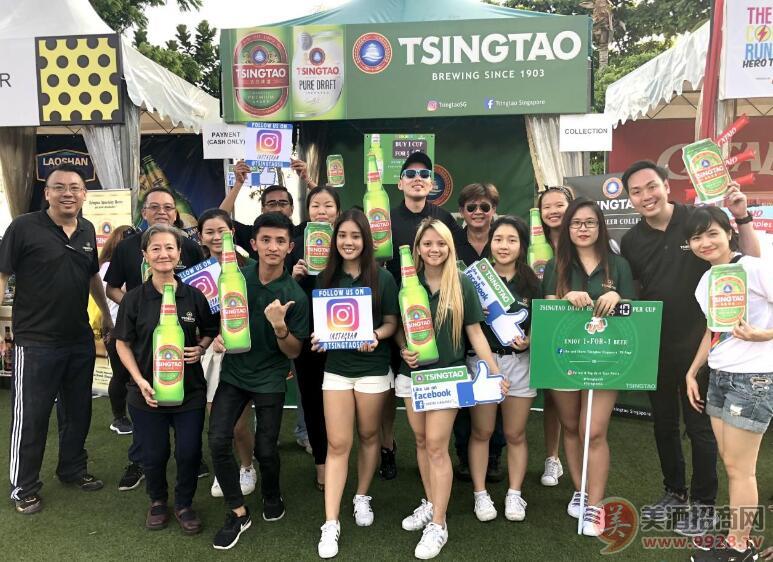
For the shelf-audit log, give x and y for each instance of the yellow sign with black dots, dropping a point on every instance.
(79, 80)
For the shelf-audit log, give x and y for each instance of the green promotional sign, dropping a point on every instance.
(571, 349)
(418, 69)
(391, 150)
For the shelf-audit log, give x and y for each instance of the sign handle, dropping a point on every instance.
(584, 480)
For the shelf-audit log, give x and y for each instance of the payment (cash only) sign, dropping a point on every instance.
(571, 349)
(419, 69)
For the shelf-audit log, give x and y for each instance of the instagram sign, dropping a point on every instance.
(268, 144)
(343, 318)
(204, 277)
(343, 315)
(268, 141)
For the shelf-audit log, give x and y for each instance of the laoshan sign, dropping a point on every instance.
(450, 68)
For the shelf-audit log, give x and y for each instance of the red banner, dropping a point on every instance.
(661, 140)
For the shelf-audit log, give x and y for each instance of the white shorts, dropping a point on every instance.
(367, 385)
(402, 386)
(211, 363)
(515, 367)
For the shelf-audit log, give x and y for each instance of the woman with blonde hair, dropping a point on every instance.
(456, 315)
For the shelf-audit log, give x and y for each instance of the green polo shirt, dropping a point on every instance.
(521, 302)
(264, 368)
(450, 356)
(621, 279)
(353, 363)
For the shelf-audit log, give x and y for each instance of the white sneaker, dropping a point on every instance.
(515, 507)
(247, 480)
(573, 508)
(432, 541)
(328, 541)
(484, 507)
(593, 521)
(417, 520)
(553, 471)
(363, 514)
(215, 490)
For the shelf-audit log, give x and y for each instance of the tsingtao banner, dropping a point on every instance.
(421, 69)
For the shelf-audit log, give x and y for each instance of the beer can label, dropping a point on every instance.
(335, 171)
(418, 324)
(380, 226)
(727, 301)
(233, 312)
(168, 365)
(261, 74)
(317, 250)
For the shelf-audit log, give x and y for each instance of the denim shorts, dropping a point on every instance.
(743, 400)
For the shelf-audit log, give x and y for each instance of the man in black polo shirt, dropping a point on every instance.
(125, 272)
(279, 322)
(668, 271)
(54, 256)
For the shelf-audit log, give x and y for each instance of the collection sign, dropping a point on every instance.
(448, 68)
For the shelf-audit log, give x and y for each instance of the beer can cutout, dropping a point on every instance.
(706, 167)
(335, 170)
(728, 297)
(316, 246)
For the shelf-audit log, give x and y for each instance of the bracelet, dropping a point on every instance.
(282, 337)
(745, 220)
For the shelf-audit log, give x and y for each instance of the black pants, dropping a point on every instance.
(227, 406)
(463, 430)
(666, 401)
(154, 428)
(310, 370)
(116, 391)
(41, 374)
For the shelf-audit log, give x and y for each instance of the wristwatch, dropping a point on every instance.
(745, 220)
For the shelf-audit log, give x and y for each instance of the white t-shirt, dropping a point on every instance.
(112, 305)
(738, 356)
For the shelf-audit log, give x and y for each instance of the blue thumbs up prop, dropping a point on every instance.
(506, 325)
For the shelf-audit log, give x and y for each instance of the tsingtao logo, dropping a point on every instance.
(612, 188)
(316, 56)
(372, 53)
(269, 141)
(343, 315)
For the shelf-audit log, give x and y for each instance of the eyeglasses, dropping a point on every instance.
(155, 207)
(590, 224)
(59, 189)
(412, 173)
(277, 203)
(472, 207)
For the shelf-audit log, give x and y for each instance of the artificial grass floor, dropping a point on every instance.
(108, 525)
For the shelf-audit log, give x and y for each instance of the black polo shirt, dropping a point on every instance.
(138, 316)
(466, 251)
(405, 224)
(620, 279)
(126, 265)
(52, 279)
(668, 271)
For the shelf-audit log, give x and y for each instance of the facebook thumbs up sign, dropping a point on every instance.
(484, 388)
(506, 325)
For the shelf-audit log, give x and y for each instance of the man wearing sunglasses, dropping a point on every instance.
(123, 274)
(416, 184)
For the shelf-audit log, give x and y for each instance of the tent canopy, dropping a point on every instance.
(390, 11)
(169, 100)
(668, 86)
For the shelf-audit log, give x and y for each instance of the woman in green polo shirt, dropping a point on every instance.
(456, 313)
(508, 241)
(356, 382)
(586, 273)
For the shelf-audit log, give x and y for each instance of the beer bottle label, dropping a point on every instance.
(380, 225)
(229, 256)
(261, 74)
(168, 365)
(234, 312)
(407, 271)
(539, 268)
(418, 324)
(536, 230)
(168, 309)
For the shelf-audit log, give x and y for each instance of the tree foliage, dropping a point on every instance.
(121, 15)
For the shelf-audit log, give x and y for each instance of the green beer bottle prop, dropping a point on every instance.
(317, 237)
(168, 359)
(232, 294)
(415, 312)
(540, 252)
(728, 297)
(375, 149)
(376, 205)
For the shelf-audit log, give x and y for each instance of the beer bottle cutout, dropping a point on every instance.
(317, 237)
(232, 294)
(540, 252)
(376, 205)
(415, 312)
(375, 149)
(168, 359)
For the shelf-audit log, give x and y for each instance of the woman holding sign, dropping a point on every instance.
(456, 313)
(740, 354)
(322, 205)
(356, 382)
(213, 223)
(508, 240)
(586, 273)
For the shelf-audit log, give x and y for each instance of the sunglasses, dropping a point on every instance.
(472, 207)
(412, 173)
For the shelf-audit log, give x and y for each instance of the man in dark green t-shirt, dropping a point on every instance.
(279, 319)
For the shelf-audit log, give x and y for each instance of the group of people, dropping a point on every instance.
(665, 257)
